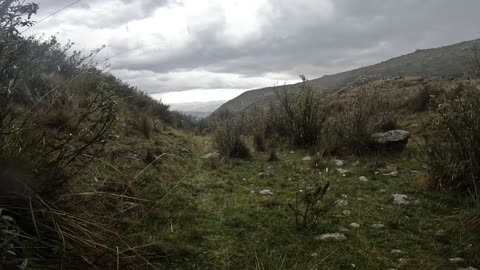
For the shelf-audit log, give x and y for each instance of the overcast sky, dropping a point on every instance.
(193, 50)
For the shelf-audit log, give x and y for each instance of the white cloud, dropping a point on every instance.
(235, 45)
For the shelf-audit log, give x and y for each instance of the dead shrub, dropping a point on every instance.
(452, 143)
(351, 126)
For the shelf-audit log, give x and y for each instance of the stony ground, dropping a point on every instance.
(376, 215)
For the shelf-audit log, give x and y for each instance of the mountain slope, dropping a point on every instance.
(453, 60)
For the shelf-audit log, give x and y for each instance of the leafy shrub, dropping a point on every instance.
(301, 115)
(228, 139)
(452, 143)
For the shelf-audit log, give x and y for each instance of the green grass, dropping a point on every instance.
(231, 226)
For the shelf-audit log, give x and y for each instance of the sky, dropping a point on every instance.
(198, 51)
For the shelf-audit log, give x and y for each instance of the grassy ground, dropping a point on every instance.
(231, 226)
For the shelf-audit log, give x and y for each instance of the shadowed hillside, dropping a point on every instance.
(451, 61)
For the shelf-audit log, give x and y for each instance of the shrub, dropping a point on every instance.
(147, 126)
(228, 139)
(452, 143)
(356, 120)
(421, 100)
(301, 115)
(306, 210)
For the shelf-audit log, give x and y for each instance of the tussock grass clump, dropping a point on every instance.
(452, 143)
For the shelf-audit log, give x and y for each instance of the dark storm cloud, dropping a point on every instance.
(312, 37)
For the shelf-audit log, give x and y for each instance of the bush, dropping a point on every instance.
(355, 120)
(228, 139)
(452, 143)
(421, 100)
(301, 115)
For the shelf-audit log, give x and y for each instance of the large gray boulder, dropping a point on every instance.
(391, 140)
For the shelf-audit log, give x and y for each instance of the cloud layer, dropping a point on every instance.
(184, 45)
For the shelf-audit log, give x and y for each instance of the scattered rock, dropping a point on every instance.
(211, 155)
(332, 237)
(342, 171)
(341, 203)
(338, 162)
(343, 229)
(307, 158)
(315, 254)
(391, 140)
(401, 199)
(347, 213)
(263, 175)
(394, 173)
(382, 190)
(378, 226)
(397, 251)
(355, 225)
(456, 260)
(363, 179)
(266, 192)
(344, 196)
(356, 163)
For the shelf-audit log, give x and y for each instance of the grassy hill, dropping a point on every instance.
(450, 61)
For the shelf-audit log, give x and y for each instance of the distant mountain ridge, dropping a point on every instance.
(452, 61)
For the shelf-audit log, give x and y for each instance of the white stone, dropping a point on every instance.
(338, 162)
(341, 203)
(400, 199)
(211, 155)
(363, 179)
(307, 158)
(355, 225)
(342, 171)
(347, 212)
(315, 254)
(397, 251)
(266, 192)
(378, 226)
(456, 260)
(332, 237)
(343, 229)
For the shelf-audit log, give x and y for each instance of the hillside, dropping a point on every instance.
(451, 61)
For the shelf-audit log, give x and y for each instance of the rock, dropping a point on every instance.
(456, 260)
(332, 237)
(378, 226)
(315, 254)
(391, 140)
(394, 173)
(400, 199)
(355, 225)
(211, 155)
(382, 190)
(266, 192)
(341, 203)
(347, 212)
(307, 158)
(363, 179)
(343, 229)
(342, 171)
(356, 163)
(263, 175)
(338, 162)
(396, 251)
(292, 152)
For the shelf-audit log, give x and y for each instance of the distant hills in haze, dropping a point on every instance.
(197, 109)
(452, 61)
